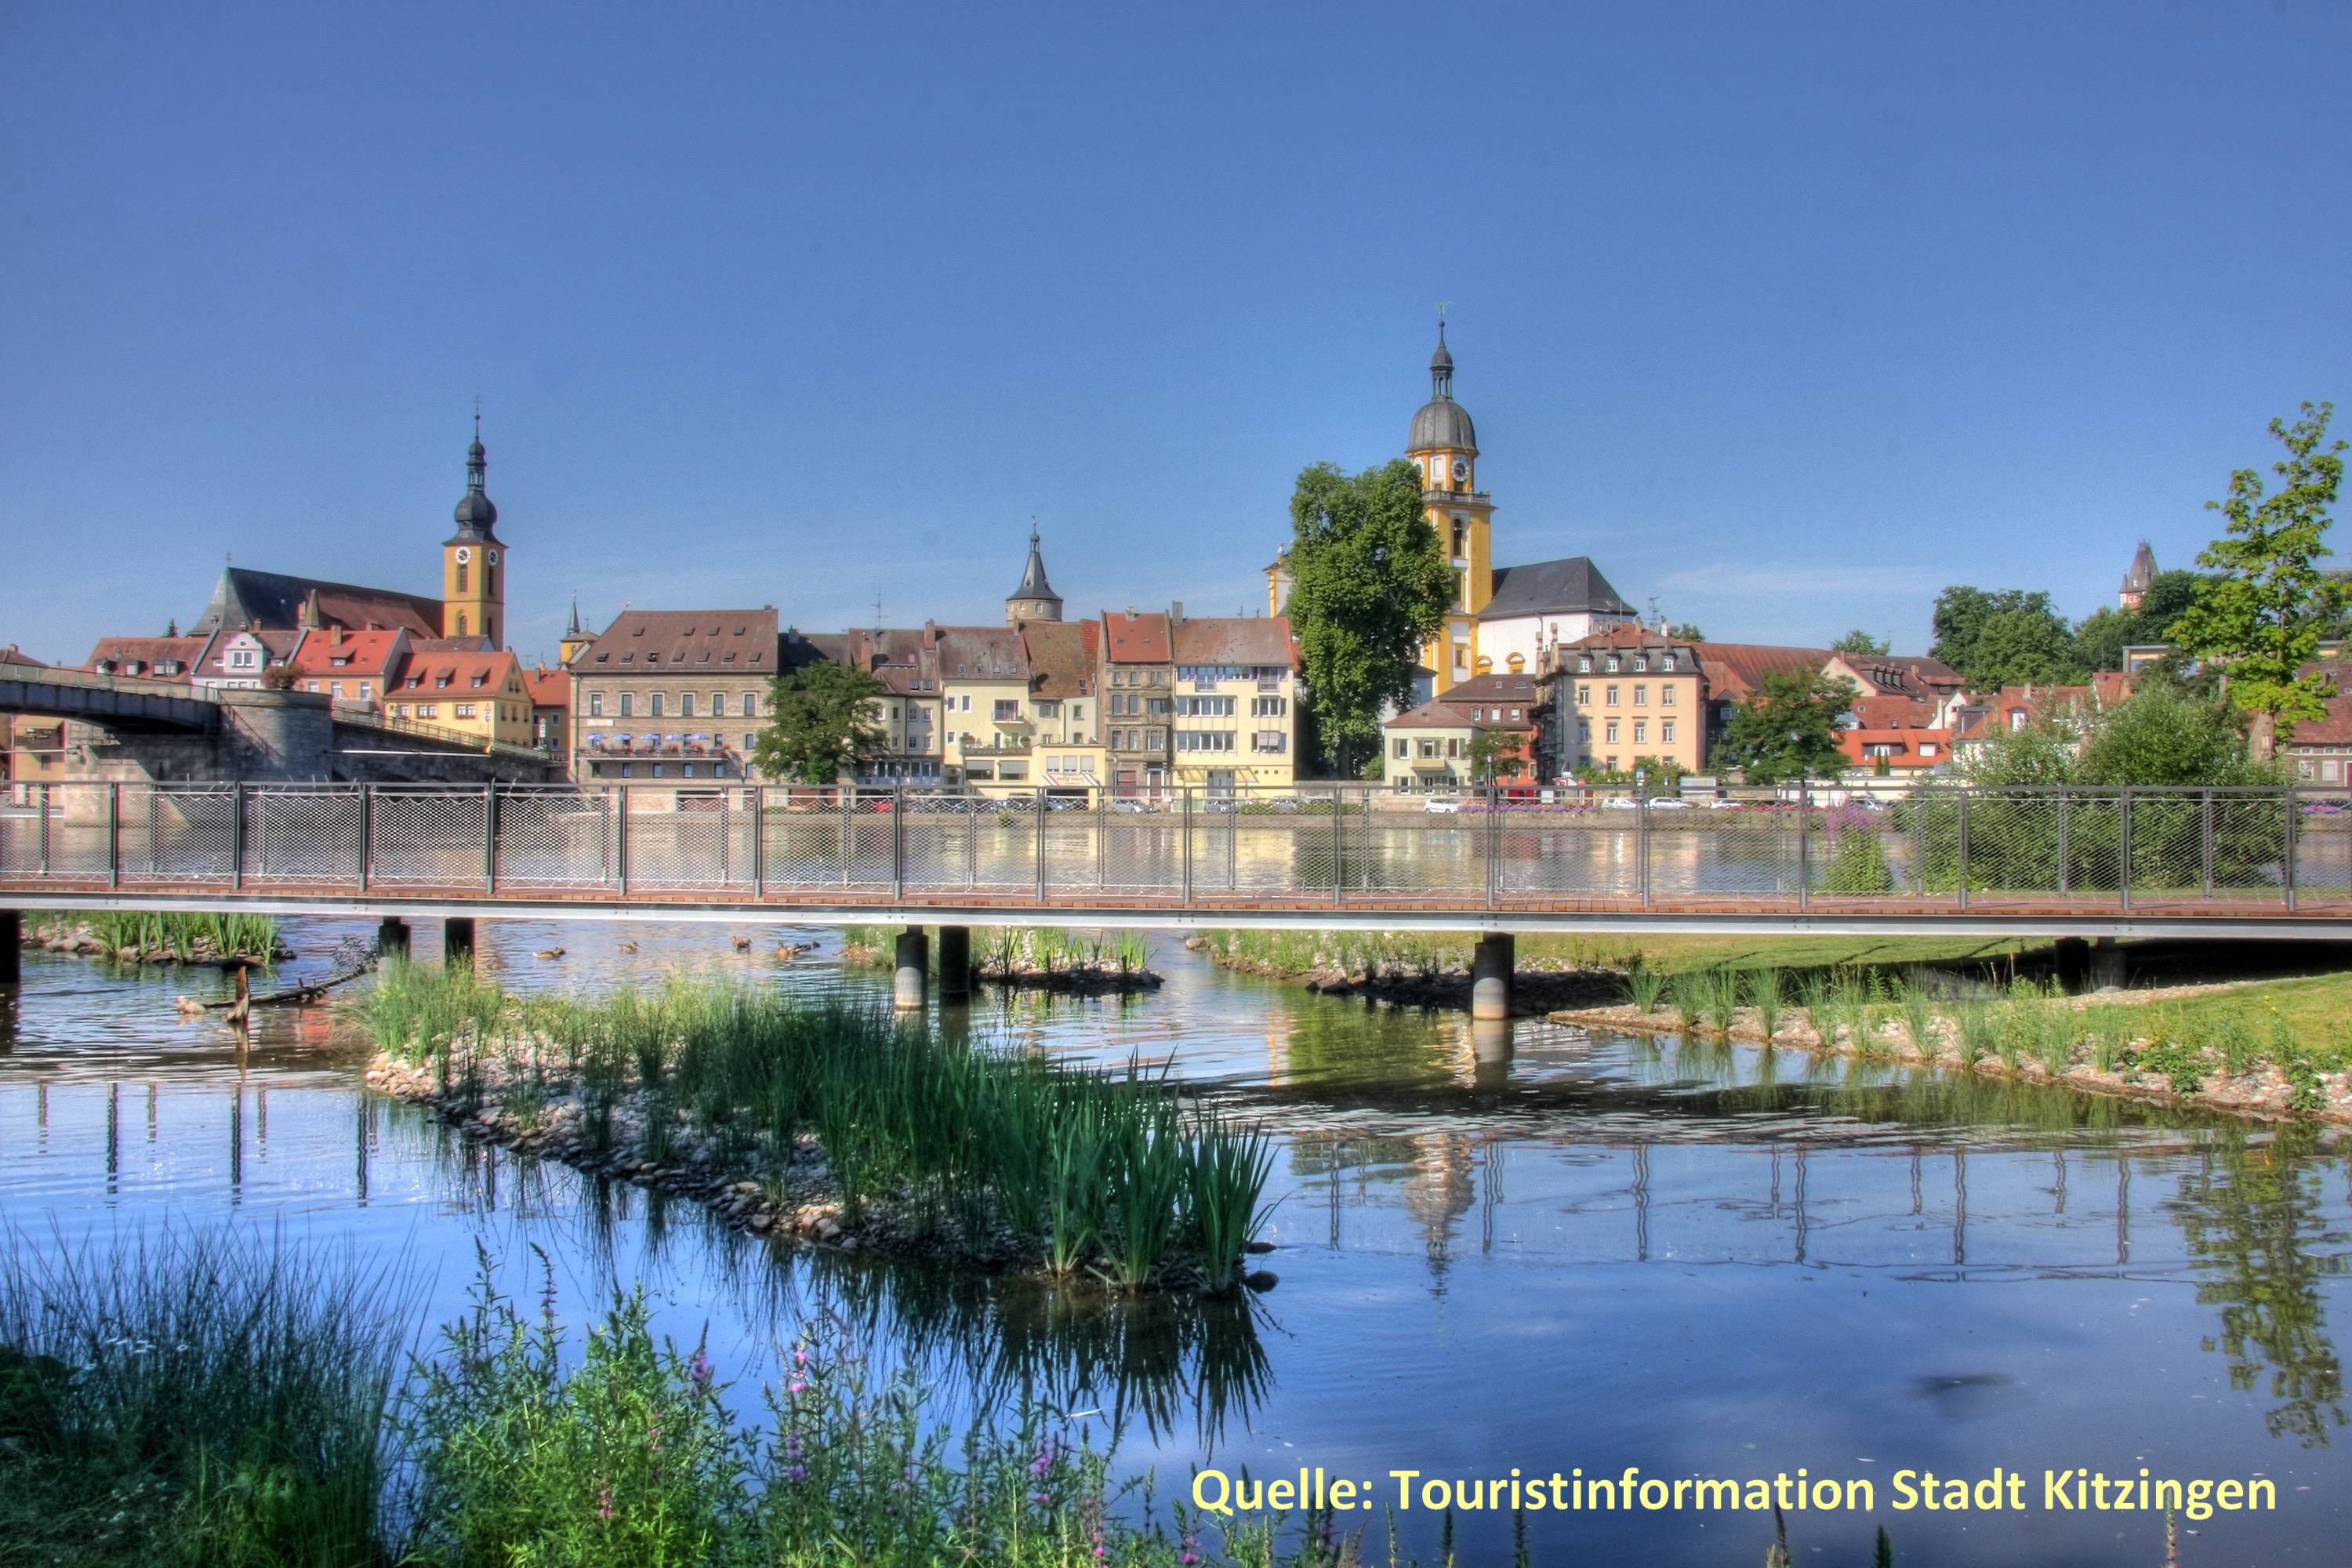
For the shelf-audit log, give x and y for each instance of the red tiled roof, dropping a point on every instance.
(1058, 657)
(456, 673)
(146, 653)
(684, 642)
(1235, 639)
(2336, 729)
(548, 688)
(364, 653)
(1733, 669)
(1132, 638)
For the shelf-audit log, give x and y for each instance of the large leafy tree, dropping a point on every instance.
(2101, 638)
(1370, 584)
(2004, 639)
(1495, 753)
(1787, 729)
(1685, 631)
(821, 724)
(2263, 615)
(1860, 642)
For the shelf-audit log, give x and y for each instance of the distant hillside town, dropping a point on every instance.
(1542, 676)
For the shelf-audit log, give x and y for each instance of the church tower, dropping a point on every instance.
(473, 562)
(1444, 447)
(1034, 600)
(575, 639)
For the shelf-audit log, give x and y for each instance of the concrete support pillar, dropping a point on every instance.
(913, 978)
(11, 940)
(2106, 964)
(1491, 966)
(392, 938)
(457, 940)
(2073, 963)
(955, 962)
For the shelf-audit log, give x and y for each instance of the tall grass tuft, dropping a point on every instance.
(1099, 1171)
(1764, 990)
(1686, 993)
(1919, 1014)
(185, 936)
(191, 1399)
(1721, 987)
(1644, 987)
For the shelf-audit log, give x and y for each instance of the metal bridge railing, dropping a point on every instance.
(1941, 849)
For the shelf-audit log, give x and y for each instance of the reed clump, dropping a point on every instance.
(1088, 1172)
(194, 1399)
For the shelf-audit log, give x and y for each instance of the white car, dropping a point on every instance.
(1670, 803)
(1442, 805)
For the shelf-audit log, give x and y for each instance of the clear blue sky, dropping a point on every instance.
(1787, 315)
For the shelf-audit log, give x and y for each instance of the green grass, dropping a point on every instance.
(1413, 953)
(1104, 1171)
(194, 1400)
(183, 937)
(1007, 951)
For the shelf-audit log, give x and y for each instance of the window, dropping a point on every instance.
(1268, 706)
(1613, 664)
(1613, 697)
(657, 708)
(428, 711)
(367, 691)
(595, 705)
(1007, 709)
(1205, 707)
(1584, 696)
(1611, 734)
(1584, 732)
(1666, 730)
(1665, 694)
(1667, 664)
(1204, 740)
(461, 623)
(751, 708)
(1641, 661)
(1270, 741)
(1584, 664)
(1928, 748)
(465, 575)
(1453, 745)
(1462, 656)
(686, 705)
(465, 710)
(1641, 694)
(1401, 748)
(1641, 732)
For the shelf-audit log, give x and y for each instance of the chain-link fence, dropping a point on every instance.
(1939, 848)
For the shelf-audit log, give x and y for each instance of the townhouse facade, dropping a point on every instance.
(355, 669)
(675, 699)
(1431, 749)
(1234, 703)
(1628, 698)
(1138, 691)
(465, 692)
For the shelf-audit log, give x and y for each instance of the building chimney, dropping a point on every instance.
(1176, 609)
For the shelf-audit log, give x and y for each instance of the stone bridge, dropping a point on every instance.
(123, 730)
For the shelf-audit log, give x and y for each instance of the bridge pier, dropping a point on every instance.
(1492, 962)
(2106, 968)
(457, 940)
(12, 942)
(911, 982)
(955, 963)
(392, 938)
(2071, 964)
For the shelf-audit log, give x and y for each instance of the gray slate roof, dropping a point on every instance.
(1553, 587)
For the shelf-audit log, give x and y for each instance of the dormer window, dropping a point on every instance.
(1584, 664)
(1613, 664)
(1641, 662)
(1667, 664)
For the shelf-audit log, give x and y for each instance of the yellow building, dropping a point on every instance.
(1445, 446)
(473, 562)
(985, 725)
(1236, 703)
(480, 695)
(1629, 698)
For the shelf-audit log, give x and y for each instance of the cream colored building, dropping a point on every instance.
(1627, 697)
(1235, 702)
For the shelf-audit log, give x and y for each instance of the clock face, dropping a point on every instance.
(492, 557)
(465, 553)
(1461, 469)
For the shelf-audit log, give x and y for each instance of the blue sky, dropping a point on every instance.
(1788, 316)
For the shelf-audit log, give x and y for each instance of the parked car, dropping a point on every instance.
(1670, 803)
(1443, 804)
(1132, 806)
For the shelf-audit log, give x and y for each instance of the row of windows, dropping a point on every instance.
(1139, 678)
(1640, 696)
(367, 689)
(1641, 732)
(503, 712)
(659, 705)
(1134, 705)
(1139, 740)
(1205, 707)
(1612, 663)
(685, 771)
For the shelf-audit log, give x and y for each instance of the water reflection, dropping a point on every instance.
(2251, 1216)
(1487, 1236)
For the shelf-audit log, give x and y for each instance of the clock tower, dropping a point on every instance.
(1444, 447)
(473, 562)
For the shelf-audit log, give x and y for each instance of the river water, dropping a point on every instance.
(1539, 1249)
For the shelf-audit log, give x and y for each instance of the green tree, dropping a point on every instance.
(1686, 631)
(821, 724)
(1787, 729)
(2263, 615)
(2004, 639)
(1858, 641)
(1494, 751)
(2101, 639)
(1370, 585)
